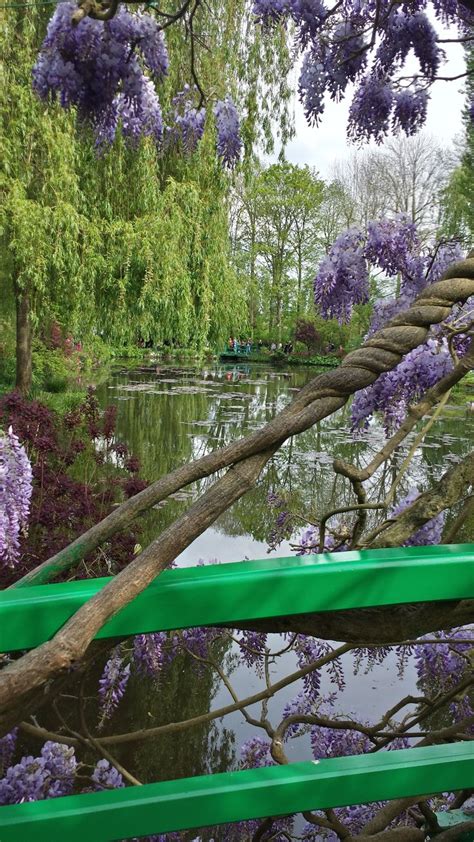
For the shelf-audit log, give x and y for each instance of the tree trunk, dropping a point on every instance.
(23, 342)
(299, 283)
(253, 284)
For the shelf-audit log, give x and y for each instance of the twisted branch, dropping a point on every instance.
(247, 457)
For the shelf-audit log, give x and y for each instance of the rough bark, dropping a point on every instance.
(23, 342)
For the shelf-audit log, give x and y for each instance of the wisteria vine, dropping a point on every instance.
(109, 71)
(368, 44)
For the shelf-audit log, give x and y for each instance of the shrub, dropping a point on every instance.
(80, 471)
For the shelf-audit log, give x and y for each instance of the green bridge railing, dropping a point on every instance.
(235, 593)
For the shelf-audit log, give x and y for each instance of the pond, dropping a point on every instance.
(170, 415)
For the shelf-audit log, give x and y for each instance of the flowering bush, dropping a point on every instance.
(62, 452)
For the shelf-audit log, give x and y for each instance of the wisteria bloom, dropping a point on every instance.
(7, 748)
(148, 654)
(343, 278)
(112, 684)
(50, 775)
(229, 143)
(15, 495)
(106, 776)
(395, 390)
(97, 67)
(187, 122)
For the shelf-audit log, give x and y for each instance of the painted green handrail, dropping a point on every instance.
(250, 590)
(236, 593)
(232, 796)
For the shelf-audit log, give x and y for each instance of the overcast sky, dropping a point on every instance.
(321, 146)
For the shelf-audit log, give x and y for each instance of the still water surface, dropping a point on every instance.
(171, 415)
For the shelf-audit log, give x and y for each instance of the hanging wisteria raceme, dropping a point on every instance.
(391, 243)
(388, 250)
(101, 68)
(112, 684)
(369, 44)
(395, 390)
(148, 656)
(229, 143)
(98, 67)
(442, 666)
(410, 111)
(187, 123)
(343, 278)
(392, 247)
(7, 748)
(15, 496)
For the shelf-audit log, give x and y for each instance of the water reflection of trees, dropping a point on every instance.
(180, 414)
(196, 751)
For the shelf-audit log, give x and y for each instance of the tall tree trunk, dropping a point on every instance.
(253, 284)
(23, 341)
(300, 281)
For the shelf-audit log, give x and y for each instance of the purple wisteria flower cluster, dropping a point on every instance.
(51, 775)
(98, 67)
(343, 278)
(187, 122)
(106, 776)
(367, 44)
(48, 776)
(108, 71)
(112, 684)
(392, 247)
(148, 654)
(394, 391)
(7, 748)
(229, 143)
(15, 495)
(389, 245)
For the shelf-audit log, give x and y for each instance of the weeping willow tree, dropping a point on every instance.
(135, 243)
(47, 247)
(167, 273)
(164, 271)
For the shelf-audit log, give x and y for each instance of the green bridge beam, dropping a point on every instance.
(232, 796)
(228, 593)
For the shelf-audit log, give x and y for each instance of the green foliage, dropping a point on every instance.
(62, 402)
(277, 245)
(131, 246)
(325, 360)
(457, 204)
(52, 370)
